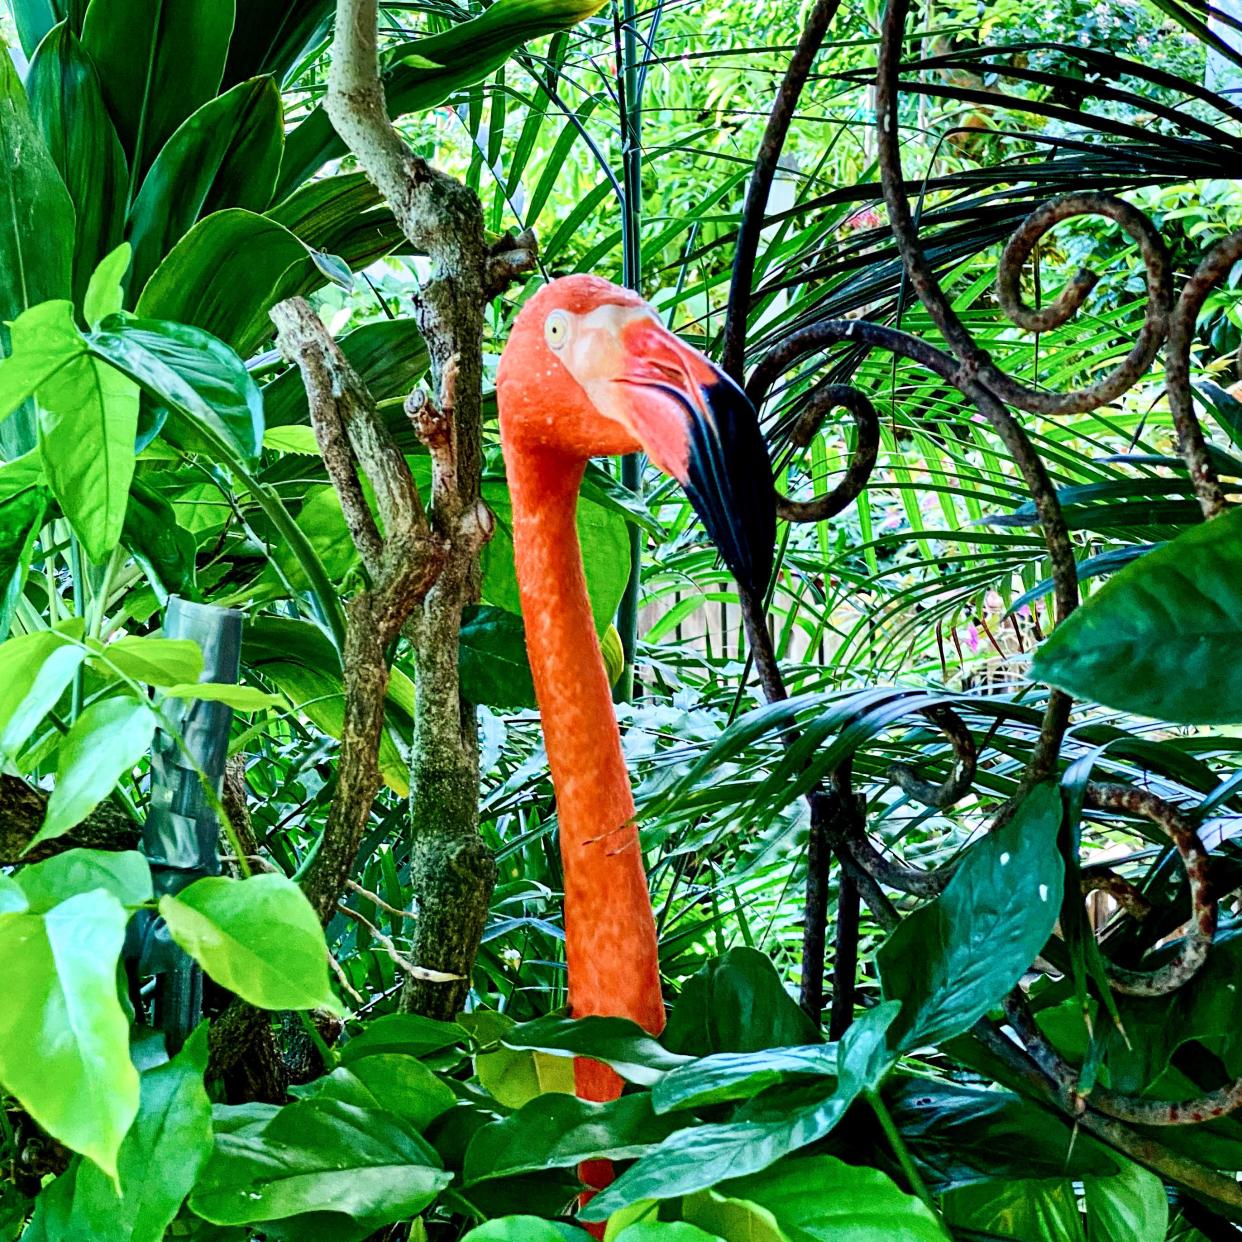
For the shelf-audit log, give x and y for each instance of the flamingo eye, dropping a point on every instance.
(556, 329)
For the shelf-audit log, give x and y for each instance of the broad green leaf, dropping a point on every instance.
(823, 1199)
(320, 1162)
(44, 340)
(560, 1131)
(226, 274)
(12, 898)
(1160, 638)
(394, 1082)
(523, 1229)
(125, 874)
(665, 1231)
(88, 418)
(953, 959)
(257, 937)
(406, 1034)
(739, 1075)
(21, 518)
(64, 1038)
(1024, 1211)
(158, 61)
(516, 1076)
(35, 670)
(737, 1003)
(33, 19)
(158, 1163)
(699, 1157)
(492, 662)
(226, 154)
(159, 543)
(67, 104)
(103, 744)
(156, 661)
(729, 1218)
(635, 1055)
(271, 35)
(344, 216)
(466, 54)
(240, 698)
(299, 440)
(195, 373)
(104, 294)
(1130, 1207)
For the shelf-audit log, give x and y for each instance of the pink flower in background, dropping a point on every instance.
(972, 637)
(867, 218)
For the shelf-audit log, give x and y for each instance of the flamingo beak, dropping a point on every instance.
(699, 427)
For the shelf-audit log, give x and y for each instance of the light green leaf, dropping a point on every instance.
(292, 439)
(21, 518)
(393, 1082)
(665, 1231)
(103, 294)
(45, 340)
(1024, 1211)
(35, 670)
(523, 1229)
(516, 1076)
(240, 698)
(64, 1038)
(88, 418)
(323, 1162)
(1160, 638)
(102, 746)
(125, 874)
(156, 661)
(257, 937)
(1131, 1207)
(953, 959)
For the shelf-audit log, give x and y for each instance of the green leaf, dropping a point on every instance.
(271, 35)
(44, 340)
(665, 1231)
(491, 658)
(699, 1157)
(739, 1075)
(1130, 1207)
(156, 661)
(408, 1034)
(635, 1055)
(158, 63)
(125, 874)
(737, 1003)
(226, 274)
(299, 440)
(1025, 1211)
(346, 216)
(88, 418)
(104, 294)
(35, 670)
(394, 1082)
(823, 1199)
(516, 1076)
(102, 746)
(560, 1131)
(320, 1162)
(257, 937)
(158, 1163)
(67, 104)
(159, 543)
(523, 1229)
(953, 959)
(240, 698)
(467, 53)
(64, 1038)
(34, 18)
(198, 375)
(226, 154)
(1160, 638)
(21, 519)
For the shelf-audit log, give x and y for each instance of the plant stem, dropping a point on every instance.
(900, 1150)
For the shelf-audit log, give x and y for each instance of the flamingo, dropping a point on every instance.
(589, 370)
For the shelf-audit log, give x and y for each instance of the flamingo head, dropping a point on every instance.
(589, 370)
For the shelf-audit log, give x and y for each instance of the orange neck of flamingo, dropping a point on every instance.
(610, 937)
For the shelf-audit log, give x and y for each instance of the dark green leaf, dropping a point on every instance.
(21, 517)
(408, 1034)
(492, 661)
(737, 1003)
(270, 35)
(953, 959)
(158, 542)
(1160, 637)
(67, 104)
(342, 215)
(739, 1075)
(34, 18)
(631, 1051)
(226, 274)
(158, 61)
(224, 155)
(395, 1082)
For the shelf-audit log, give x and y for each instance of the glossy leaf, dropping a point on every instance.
(635, 1055)
(240, 698)
(523, 1229)
(104, 292)
(103, 744)
(88, 418)
(665, 1231)
(324, 1161)
(1130, 1207)
(1024, 1211)
(64, 1038)
(224, 276)
(33, 19)
(270, 35)
(160, 545)
(67, 104)
(406, 1034)
(43, 342)
(35, 670)
(1159, 638)
(953, 959)
(394, 1082)
(157, 1165)
(156, 661)
(125, 874)
(198, 375)
(158, 62)
(492, 661)
(226, 154)
(257, 937)
(739, 1075)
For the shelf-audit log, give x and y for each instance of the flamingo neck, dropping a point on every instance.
(609, 927)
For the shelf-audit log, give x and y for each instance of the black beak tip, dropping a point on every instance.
(729, 482)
